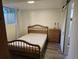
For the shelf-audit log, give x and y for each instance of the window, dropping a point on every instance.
(9, 15)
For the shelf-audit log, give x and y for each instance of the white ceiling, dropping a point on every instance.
(39, 4)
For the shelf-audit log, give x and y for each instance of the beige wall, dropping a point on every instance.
(22, 22)
(46, 17)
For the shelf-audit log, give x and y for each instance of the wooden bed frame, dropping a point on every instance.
(32, 51)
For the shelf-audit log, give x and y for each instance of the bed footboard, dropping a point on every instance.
(21, 47)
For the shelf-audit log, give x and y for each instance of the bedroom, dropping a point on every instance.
(48, 13)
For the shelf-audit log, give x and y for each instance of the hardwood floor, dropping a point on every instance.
(52, 52)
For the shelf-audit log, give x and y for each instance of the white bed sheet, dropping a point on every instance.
(34, 38)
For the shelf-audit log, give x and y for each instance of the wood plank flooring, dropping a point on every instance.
(52, 52)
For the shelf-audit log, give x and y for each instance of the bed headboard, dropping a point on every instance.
(38, 29)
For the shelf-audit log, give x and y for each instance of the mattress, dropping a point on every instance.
(34, 38)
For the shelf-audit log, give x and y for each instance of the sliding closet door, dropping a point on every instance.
(4, 53)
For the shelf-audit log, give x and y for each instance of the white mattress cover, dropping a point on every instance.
(34, 38)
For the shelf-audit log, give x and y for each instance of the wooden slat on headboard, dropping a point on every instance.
(37, 29)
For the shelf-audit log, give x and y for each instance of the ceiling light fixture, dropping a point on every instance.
(30, 2)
